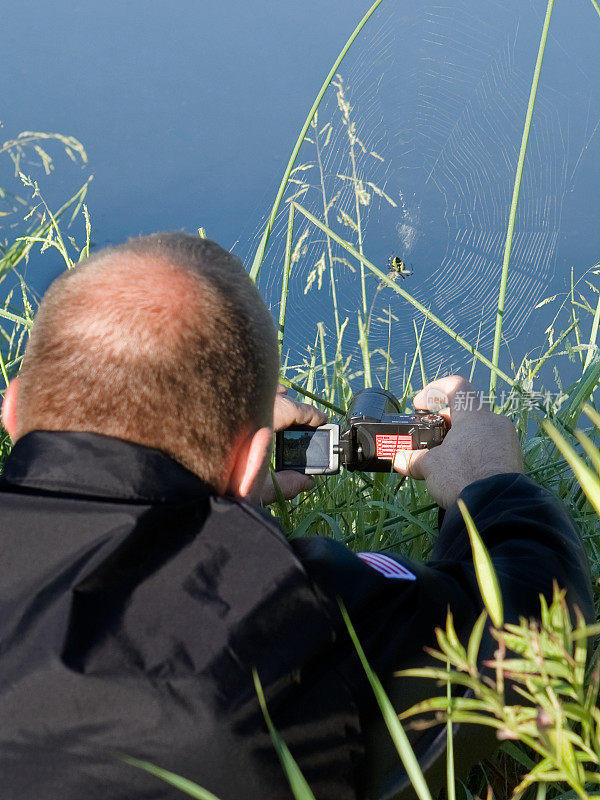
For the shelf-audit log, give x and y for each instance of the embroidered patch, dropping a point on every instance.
(387, 566)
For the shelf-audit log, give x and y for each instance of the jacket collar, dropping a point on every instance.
(96, 465)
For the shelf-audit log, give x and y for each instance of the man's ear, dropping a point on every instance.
(9, 408)
(250, 460)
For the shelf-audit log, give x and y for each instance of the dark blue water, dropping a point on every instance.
(188, 111)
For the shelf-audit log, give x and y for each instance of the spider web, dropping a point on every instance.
(438, 95)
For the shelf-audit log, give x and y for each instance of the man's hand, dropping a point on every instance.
(478, 445)
(290, 412)
(285, 413)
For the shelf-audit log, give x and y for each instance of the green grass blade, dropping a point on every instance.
(450, 778)
(518, 755)
(405, 751)
(588, 480)
(19, 250)
(407, 383)
(574, 304)
(15, 318)
(85, 250)
(260, 252)
(571, 411)
(3, 368)
(287, 264)
(281, 503)
(299, 786)
(593, 415)
(310, 378)
(420, 353)
(590, 448)
(321, 330)
(363, 340)
(596, 6)
(484, 570)
(326, 207)
(187, 787)
(541, 792)
(305, 393)
(385, 278)
(515, 196)
(403, 515)
(475, 639)
(314, 516)
(593, 335)
(388, 357)
(542, 360)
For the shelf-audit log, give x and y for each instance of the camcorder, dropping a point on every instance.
(371, 433)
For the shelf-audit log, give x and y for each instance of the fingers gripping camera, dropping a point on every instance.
(372, 432)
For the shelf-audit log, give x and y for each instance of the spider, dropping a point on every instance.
(397, 267)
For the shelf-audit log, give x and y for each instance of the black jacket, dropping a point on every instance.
(134, 604)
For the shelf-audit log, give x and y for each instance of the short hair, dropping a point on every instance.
(164, 341)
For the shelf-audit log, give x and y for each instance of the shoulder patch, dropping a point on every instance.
(387, 566)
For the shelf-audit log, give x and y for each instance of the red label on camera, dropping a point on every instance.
(388, 444)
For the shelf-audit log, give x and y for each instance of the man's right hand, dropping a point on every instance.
(288, 412)
(478, 445)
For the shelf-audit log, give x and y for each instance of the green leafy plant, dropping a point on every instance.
(37, 226)
(544, 663)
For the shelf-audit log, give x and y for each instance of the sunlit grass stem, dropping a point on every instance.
(262, 246)
(363, 340)
(287, 264)
(389, 351)
(19, 250)
(356, 186)
(596, 6)
(300, 788)
(593, 336)
(450, 778)
(420, 354)
(399, 737)
(311, 396)
(554, 347)
(515, 197)
(182, 784)
(326, 218)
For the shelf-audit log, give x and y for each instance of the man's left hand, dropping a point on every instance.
(289, 412)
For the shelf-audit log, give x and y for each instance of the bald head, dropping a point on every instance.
(163, 341)
(130, 303)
